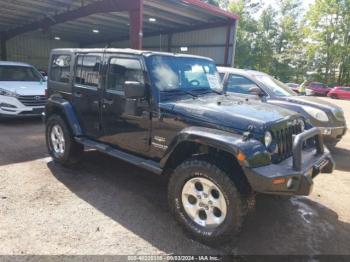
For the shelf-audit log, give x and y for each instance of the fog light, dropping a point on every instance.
(289, 183)
(326, 131)
(7, 105)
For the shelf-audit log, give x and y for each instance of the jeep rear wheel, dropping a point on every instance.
(205, 201)
(60, 142)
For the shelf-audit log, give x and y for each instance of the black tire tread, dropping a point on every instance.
(74, 150)
(221, 178)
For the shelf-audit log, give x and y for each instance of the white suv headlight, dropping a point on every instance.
(316, 113)
(4, 92)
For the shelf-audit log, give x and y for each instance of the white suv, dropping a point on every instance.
(22, 90)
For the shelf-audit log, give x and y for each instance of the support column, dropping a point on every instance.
(170, 37)
(3, 40)
(136, 26)
(234, 28)
(227, 44)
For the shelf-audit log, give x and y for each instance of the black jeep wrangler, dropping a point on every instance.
(167, 113)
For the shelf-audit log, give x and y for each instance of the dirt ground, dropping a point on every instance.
(106, 206)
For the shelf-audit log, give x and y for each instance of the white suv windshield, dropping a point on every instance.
(187, 74)
(275, 86)
(19, 73)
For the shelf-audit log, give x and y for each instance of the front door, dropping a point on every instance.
(123, 127)
(87, 93)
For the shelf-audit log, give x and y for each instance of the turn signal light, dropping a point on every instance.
(277, 181)
(241, 156)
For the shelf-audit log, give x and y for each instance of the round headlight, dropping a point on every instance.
(268, 138)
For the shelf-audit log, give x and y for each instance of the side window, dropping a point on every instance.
(60, 68)
(347, 89)
(121, 70)
(87, 70)
(239, 84)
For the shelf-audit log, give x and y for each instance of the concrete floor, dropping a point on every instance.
(106, 206)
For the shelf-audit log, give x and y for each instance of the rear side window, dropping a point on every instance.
(121, 70)
(60, 68)
(87, 70)
(239, 84)
(347, 89)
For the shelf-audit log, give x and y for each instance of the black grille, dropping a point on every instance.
(284, 141)
(32, 100)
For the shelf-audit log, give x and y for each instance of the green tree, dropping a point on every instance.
(328, 28)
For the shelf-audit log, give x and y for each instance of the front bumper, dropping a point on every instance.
(295, 174)
(333, 134)
(11, 107)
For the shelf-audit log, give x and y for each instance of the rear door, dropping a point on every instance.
(87, 93)
(125, 128)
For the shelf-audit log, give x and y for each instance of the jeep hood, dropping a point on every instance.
(24, 88)
(230, 112)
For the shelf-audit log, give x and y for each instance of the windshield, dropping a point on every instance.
(19, 73)
(170, 74)
(275, 86)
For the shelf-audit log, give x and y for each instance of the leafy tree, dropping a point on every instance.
(329, 32)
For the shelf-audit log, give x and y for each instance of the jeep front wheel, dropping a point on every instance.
(205, 201)
(60, 142)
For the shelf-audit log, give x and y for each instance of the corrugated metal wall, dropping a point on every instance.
(208, 42)
(34, 48)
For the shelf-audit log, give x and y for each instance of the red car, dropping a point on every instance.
(342, 92)
(316, 88)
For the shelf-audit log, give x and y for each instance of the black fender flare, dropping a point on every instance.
(255, 152)
(62, 105)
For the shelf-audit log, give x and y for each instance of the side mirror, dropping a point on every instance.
(256, 91)
(134, 89)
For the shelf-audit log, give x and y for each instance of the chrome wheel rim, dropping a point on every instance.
(204, 202)
(57, 140)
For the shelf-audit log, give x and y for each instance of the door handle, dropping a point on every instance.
(78, 94)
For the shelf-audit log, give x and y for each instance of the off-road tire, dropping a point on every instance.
(73, 151)
(197, 167)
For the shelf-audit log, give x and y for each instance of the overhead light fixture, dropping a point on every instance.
(152, 19)
(57, 38)
(95, 31)
(184, 49)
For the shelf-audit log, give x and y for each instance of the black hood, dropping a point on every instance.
(230, 112)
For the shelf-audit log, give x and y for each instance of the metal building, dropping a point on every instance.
(30, 28)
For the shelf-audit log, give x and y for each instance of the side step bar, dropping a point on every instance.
(135, 160)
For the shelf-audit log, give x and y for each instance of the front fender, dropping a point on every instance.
(64, 107)
(255, 152)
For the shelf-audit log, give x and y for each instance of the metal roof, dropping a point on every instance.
(170, 16)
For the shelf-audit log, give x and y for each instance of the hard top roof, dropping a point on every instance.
(123, 51)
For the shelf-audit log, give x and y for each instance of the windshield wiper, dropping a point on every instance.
(174, 91)
(208, 90)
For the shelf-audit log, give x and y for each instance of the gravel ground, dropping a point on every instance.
(106, 206)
